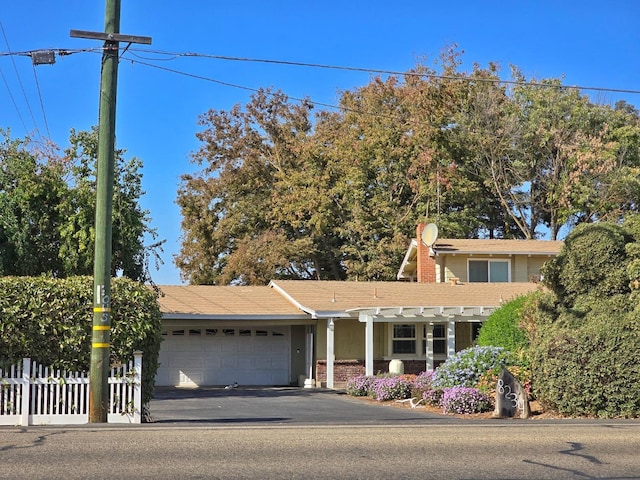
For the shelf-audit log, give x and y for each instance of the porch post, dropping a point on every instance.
(330, 352)
(309, 351)
(429, 352)
(368, 350)
(451, 338)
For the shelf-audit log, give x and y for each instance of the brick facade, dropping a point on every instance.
(345, 369)
(426, 264)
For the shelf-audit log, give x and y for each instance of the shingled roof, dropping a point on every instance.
(328, 298)
(229, 302)
(498, 247)
(304, 299)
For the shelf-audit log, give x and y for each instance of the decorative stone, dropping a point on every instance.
(396, 367)
(511, 397)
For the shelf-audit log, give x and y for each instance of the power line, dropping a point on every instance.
(44, 115)
(13, 100)
(15, 68)
(175, 55)
(295, 99)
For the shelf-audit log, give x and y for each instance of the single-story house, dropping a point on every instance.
(319, 333)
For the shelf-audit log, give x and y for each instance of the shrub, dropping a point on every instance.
(501, 329)
(584, 351)
(50, 320)
(466, 367)
(397, 387)
(464, 400)
(422, 384)
(590, 370)
(359, 386)
(433, 397)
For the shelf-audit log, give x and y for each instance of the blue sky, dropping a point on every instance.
(589, 43)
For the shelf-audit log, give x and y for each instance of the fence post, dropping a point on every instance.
(137, 386)
(26, 391)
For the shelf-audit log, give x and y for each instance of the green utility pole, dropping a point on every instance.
(101, 338)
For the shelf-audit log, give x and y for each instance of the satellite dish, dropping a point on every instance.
(430, 234)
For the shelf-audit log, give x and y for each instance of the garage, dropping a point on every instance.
(223, 355)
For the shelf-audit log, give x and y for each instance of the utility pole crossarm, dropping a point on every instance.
(110, 37)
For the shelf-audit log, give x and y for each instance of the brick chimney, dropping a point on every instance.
(426, 264)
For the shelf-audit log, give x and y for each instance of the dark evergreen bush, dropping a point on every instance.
(592, 370)
(50, 320)
(584, 335)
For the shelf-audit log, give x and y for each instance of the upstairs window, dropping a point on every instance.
(489, 271)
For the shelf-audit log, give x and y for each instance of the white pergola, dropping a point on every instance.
(427, 314)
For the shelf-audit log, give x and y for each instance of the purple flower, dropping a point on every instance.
(464, 400)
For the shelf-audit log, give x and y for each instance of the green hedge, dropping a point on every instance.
(589, 370)
(585, 332)
(50, 320)
(502, 328)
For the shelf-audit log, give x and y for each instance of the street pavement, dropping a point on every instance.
(291, 433)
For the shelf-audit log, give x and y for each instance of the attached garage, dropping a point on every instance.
(216, 336)
(224, 355)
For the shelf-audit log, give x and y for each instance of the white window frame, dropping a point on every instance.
(416, 334)
(420, 339)
(489, 262)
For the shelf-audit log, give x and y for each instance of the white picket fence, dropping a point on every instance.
(31, 394)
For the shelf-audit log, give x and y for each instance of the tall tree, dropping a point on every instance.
(232, 208)
(130, 254)
(31, 190)
(47, 211)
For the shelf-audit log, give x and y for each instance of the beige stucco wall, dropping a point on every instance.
(535, 264)
(349, 339)
(523, 267)
(520, 269)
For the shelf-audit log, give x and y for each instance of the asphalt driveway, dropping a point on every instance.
(278, 406)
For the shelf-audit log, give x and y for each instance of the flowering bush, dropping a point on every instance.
(467, 366)
(359, 386)
(464, 400)
(396, 387)
(433, 396)
(422, 384)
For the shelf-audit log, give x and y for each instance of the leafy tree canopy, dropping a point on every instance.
(47, 210)
(289, 191)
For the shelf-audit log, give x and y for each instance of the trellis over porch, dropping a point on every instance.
(449, 315)
(31, 394)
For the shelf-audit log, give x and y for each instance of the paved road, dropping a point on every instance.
(317, 434)
(277, 406)
(502, 450)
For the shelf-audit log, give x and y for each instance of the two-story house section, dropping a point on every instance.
(476, 260)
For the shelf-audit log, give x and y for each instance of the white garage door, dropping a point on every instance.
(222, 356)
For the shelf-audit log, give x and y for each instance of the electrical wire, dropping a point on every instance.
(175, 55)
(15, 68)
(44, 115)
(13, 100)
(295, 99)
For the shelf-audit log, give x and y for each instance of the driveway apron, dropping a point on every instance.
(278, 406)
